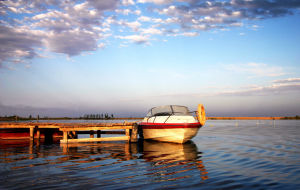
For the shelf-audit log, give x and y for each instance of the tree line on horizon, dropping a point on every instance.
(30, 117)
(98, 116)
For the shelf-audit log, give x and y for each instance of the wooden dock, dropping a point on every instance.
(70, 131)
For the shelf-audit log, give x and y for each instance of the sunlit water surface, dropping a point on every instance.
(224, 155)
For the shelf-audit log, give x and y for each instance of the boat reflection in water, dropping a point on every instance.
(174, 159)
(110, 165)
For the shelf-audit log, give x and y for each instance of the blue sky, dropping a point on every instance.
(69, 58)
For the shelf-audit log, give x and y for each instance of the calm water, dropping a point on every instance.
(224, 155)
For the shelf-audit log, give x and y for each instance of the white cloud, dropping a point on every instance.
(144, 19)
(289, 80)
(128, 2)
(101, 45)
(190, 34)
(138, 12)
(138, 39)
(133, 25)
(157, 20)
(265, 90)
(152, 31)
(257, 69)
(255, 27)
(81, 6)
(155, 1)
(124, 11)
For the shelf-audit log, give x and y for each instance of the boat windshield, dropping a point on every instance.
(168, 110)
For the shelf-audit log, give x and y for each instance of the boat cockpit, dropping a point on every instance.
(168, 110)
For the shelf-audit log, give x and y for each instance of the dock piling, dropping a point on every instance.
(92, 134)
(65, 137)
(98, 133)
(38, 133)
(134, 133)
(31, 133)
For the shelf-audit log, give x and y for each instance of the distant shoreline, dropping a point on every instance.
(17, 118)
(254, 118)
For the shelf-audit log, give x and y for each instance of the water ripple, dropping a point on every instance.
(224, 155)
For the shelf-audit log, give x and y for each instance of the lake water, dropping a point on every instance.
(224, 155)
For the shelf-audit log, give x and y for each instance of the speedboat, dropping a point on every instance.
(172, 123)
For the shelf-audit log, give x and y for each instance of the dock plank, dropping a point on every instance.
(84, 128)
(122, 138)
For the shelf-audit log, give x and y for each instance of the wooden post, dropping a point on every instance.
(140, 132)
(127, 132)
(65, 137)
(75, 135)
(91, 134)
(127, 151)
(134, 148)
(65, 148)
(38, 133)
(31, 133)
(98, 134)
(30, 150)
(134, 133)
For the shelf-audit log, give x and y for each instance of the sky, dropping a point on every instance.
(70, 58)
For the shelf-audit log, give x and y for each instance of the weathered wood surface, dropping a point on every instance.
(134, 133)
(121, 138)
(16, 125)
(70, 130)
(93, 128)
(98, 132)
(60, 125)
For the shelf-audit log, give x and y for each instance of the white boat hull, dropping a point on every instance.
(176, 135)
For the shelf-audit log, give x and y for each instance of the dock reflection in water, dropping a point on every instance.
(100, 165)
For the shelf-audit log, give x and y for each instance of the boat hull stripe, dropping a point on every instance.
(169, 125)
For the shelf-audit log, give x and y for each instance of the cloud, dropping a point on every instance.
(104, 5)
(124, 11)
(222, 14)
(138, 39)
(144, 19)
(284, 86)
(128, 2)
(268, 90)
(135, 25)
(17, 45)
(72, 42)
(257, 70)
(73, 27)
(265, 8)
(190, 34)
(155, 1)
(67, 28)
(289, 80)
(152, 31)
